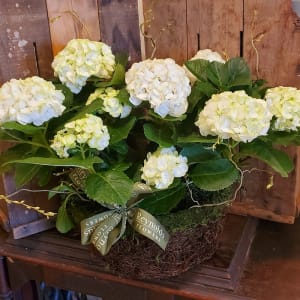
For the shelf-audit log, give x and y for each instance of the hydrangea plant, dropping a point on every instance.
(134, 139)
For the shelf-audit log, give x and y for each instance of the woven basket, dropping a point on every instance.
(138, 257)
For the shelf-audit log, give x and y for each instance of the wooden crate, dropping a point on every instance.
(32, 31)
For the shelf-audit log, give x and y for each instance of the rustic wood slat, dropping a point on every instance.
(165, 22)
(271, 47)
(71, 19)
(216, 25)
(25, 46)
(119, 25)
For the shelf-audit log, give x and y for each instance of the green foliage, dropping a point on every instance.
(214, 175)
(162, 135)
(121, 129)
(110, 187)
(162, 202)
(276, 159)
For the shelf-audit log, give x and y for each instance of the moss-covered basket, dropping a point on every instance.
(194, 237)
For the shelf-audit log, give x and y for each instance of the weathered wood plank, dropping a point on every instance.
(71, 19)
(271, 27)
(25, 46)
(216, 25)
(271, 47)
(119, 25)
(165, 22)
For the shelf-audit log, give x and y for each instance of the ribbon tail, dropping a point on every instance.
(107, 233)
(147, 225)
(88, 225)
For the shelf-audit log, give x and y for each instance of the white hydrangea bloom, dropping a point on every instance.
(88, 130)
(234, 115)
(30, 101)
(206, 54)
(162, 83)
(161, 167)
(111, 103)
(80, 59)
(284, 104)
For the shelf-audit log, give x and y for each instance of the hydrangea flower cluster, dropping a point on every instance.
(111, 104)
(161, 167)
(81, 59)
(284, 104)
(31, 100)
(162, 83)
(205, 54)
(88, 130)
(234, 115)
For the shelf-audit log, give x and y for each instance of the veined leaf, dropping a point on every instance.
(276, 159)
(161, 135)
(110, 187)
(25, 173)
(58, 162)
(198, 153)
(197, 67)
(213, 175)
(162, 202)
(238, 72)
(217, 73)
(121, 129)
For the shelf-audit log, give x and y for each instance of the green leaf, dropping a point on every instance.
(87, 163)
(162, 202)
(64, 222)
(69, 97)
(27, 129)
(276, 159)
(283, 138)
(59, 188)
(198, 153)
(92, 108)
(120, 130)
(217, 73)
(25, 173)
(238, 72)
(117, 79)
(197, 67)
(120, 147)
(196, 138)
(110, 187)
(161, 135)
(213, 175)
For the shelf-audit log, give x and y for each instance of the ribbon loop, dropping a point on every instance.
(145, 224)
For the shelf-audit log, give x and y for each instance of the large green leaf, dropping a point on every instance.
(87, 163)
(217, 73)
(285, 138)
(213, 175)
(276, 159)
(161, 135)
(198, 153)
(197, 67)
(27, 129)
(162, 202)
(117, 79)
(120, 130)
(110, 187)
(238, 72)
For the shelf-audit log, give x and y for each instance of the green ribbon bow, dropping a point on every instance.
(105, 229)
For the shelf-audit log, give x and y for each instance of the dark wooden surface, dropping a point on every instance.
(272, 271)
(62, 262)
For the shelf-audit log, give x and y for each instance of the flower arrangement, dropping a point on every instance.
(128, 145)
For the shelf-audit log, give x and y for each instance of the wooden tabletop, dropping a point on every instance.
(272, 270)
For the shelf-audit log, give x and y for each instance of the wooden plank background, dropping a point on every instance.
(264, 32)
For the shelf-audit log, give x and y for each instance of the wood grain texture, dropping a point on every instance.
(166, 22)
(215, 25)
(272, 26)
(120, 26)
(25, 46)
(69, 19)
